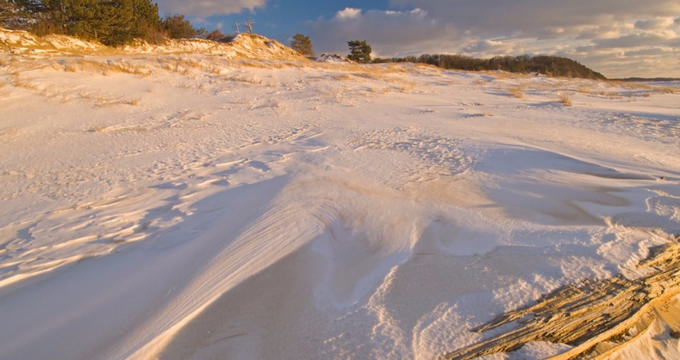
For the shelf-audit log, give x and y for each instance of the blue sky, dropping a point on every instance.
(280, 19)
(619, 38)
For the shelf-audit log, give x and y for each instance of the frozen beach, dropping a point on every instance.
(241, 202)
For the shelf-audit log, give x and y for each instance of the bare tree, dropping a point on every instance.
(249, 25)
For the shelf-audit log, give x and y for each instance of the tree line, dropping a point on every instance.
(111, 22)
(548, 65)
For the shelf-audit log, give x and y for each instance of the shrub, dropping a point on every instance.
(216, 35)
(177, 27)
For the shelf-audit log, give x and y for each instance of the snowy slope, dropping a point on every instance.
(244, 46)
(241, 202)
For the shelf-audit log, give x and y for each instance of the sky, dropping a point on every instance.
(619, 38)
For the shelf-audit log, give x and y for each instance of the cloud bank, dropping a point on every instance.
(204, 8)
(616, 37)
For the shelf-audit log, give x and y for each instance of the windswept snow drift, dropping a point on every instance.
(185, 202)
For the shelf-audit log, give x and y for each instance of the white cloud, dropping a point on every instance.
(348, 13)
(208, 7)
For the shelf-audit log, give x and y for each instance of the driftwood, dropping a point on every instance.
(595, 317)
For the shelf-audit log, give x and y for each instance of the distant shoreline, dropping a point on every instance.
(640, 79)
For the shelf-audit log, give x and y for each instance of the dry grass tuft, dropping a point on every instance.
(505, 75)
(517, 91)
(341, 77)
(70, 68)
(19, 83)
(565, 100)
(125, 68)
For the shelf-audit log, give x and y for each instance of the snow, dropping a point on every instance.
(197, 200)
(332, 58)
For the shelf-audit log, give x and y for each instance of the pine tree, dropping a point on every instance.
(19, 14)
(146, 22)
(8, 12)
(360, 51)
(112, 22)
(302, 44)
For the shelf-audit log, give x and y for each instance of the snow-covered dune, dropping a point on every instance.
(243, 46)
(203, 200)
